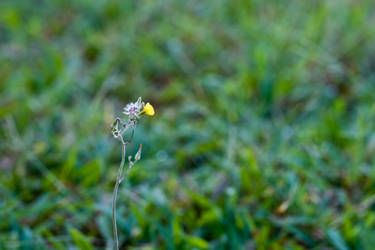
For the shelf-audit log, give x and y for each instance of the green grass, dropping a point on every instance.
(264, 133)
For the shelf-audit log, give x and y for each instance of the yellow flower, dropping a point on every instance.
(148, 109)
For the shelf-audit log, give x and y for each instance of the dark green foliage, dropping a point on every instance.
(263, 138)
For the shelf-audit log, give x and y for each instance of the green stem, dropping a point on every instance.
(114, 200)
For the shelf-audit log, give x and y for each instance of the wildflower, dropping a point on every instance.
(148, 109)
(133, 111)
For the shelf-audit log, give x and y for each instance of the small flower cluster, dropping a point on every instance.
(133, 111)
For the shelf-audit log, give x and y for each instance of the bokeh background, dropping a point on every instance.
(263, 138)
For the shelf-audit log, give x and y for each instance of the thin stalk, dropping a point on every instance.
(114, 199)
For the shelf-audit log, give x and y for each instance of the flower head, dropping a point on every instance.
(131, 109)
(148, 109)
(133, 112)
(134, 108)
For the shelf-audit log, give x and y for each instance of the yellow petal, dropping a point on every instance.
(148, 109)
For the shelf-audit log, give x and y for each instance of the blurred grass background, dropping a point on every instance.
(264, 134)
